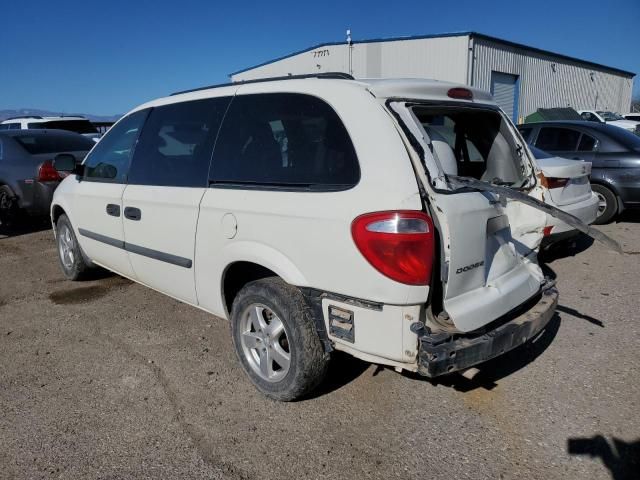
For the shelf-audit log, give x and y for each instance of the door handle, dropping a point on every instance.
(113, 210)
(132, 213)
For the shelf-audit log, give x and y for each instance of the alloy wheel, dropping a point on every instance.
(66, 246)
(265, 344)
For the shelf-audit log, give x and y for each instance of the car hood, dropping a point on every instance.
(558, 167)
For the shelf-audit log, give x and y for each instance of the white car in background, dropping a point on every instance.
(569, 189)
(70, 123)
(609, 118)
(634, 117)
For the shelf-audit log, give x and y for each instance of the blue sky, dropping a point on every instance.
(107, 57)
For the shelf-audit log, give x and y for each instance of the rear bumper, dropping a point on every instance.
(586, 210)
(444, 353)
(36, 197)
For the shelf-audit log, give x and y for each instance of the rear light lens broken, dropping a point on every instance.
(47, 173)
(398, 244)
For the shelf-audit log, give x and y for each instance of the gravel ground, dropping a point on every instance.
(108, 379)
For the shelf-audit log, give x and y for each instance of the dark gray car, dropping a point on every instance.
(27, 176)
(613, 152)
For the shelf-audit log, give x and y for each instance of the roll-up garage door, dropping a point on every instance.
(504, 88)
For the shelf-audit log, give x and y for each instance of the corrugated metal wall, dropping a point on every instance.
(438, 58)
(547, 81)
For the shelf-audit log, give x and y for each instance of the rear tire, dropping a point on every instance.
(276, 340)
(9, 211)
(607, 206)
(72, 259)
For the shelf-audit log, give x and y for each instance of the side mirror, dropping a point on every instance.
(66, 163)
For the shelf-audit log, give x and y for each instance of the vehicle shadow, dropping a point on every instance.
(566, 248)
(343, 369)
(502, 366)
(620, 457)
(629, 216)
(25, 227)
(575, 313)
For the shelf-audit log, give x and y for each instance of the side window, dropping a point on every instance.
(557, 139)
(4, 126)
(109, 160)
(1, 150)
(525, 132)
(587, 143)
(176, 144)
(285, 140)
(14, 126)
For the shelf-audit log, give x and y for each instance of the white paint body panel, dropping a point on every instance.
(168, 225)
(305, 237)
(86, 204)
(575, 197)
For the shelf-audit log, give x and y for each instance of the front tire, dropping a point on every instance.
(70, 255)
(9, 211)
(607, 204)
(276, 340)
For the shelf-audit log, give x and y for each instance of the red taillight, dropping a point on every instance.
(460, 93)
(47, 173)
(547, 231)
(397, 244)
(552, 182)
(557, 182)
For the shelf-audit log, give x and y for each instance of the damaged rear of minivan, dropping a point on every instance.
(488, 294)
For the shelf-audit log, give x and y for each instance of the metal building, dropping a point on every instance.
(521, 78)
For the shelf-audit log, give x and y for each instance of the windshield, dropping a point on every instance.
(78, 126)
(474, 142)
(610, 116)
(36, 144)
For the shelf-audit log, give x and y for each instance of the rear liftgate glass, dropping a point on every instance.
(475, 175)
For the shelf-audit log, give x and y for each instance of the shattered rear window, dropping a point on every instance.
(474, 142)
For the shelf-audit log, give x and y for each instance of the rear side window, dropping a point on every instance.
(587, 143)
(109, 160)
(53, 143)
(285, 140)
(176, 144)
(525, 132)
(557, 139)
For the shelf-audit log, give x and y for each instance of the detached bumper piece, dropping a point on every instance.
(442, 353)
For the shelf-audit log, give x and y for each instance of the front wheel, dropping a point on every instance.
(607, 204)
(72, 261)
(9, 210)
(276, 340)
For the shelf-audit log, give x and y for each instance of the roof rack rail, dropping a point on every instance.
(22, 116)
(329, 75)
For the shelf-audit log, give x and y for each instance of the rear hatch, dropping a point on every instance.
(567, 180)
(488, 240)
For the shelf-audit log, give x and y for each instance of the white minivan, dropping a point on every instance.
(317, 214)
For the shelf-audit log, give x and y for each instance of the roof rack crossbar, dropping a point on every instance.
(329, 75)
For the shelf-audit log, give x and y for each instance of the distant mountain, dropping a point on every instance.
(47, 113)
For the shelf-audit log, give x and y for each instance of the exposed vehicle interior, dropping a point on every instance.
(473, 142)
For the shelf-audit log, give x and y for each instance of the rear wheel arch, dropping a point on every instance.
(236, 276)
(603, 182)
